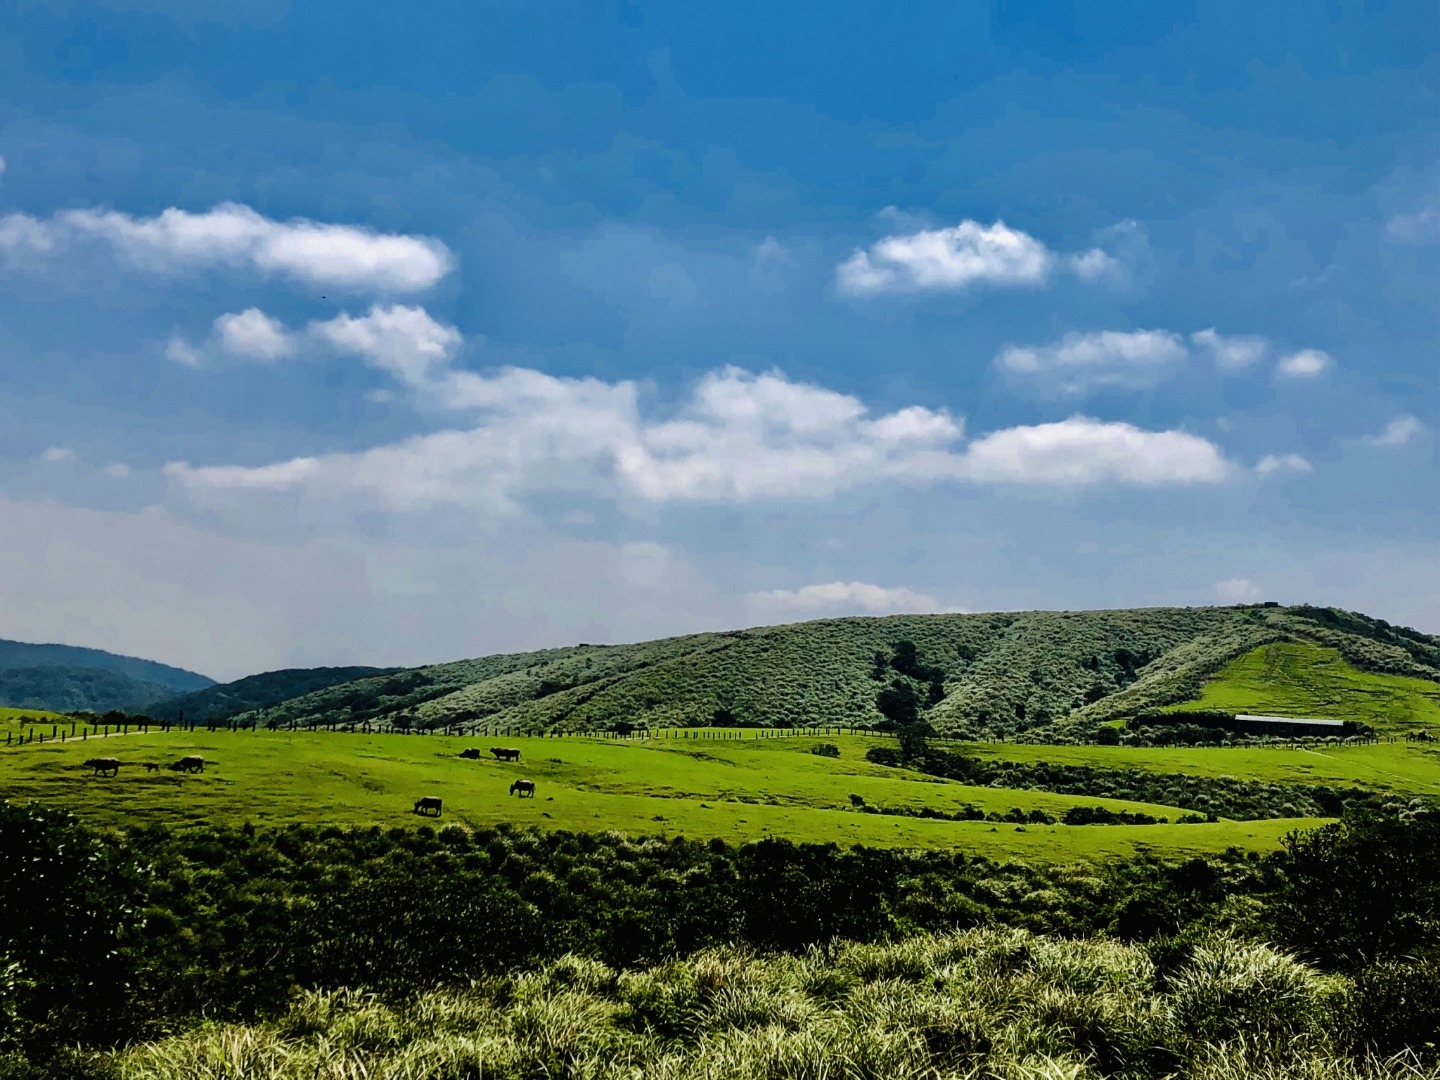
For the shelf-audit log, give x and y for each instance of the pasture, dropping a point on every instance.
(738, 789)
(1295, 678)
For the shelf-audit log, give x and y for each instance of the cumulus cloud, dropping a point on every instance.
(312, 253)
(1397, 432)
(21, 234)
(1305, 364)
(957, 258)
(179, 351)
(1231, 353)
(847, 597)
(740, 436)
(116, 470)
(1271, 464)
(1082, 362)
(406, 342)
(1238, 591)
(1420, 227)
(1083, 451)
(55, 454)
(254, 335)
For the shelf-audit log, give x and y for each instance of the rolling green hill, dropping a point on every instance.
(67, 677)
(1299, 678)
(224, 700)
(1052, 675)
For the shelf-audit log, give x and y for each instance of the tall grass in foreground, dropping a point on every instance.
(994, 1004)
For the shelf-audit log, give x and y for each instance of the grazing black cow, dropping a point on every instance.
(524, 788)
(152, 766)
(426, 805)
(503, 753)
(104, 766)
(192, 764)
(472, 753)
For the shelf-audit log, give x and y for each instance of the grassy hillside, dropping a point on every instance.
(66, 677)
(20, 654)
(222, 701)
(1056, 674)
(1296, 678)
(70, 689)
(738, 787)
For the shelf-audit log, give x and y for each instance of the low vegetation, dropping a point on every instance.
(263, 952)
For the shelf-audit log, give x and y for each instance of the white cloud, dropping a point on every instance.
(1238, 591)
(965, 255)
(56, 454)
(314, 253)
(1283, 463)
(1092, 265)
(2, 166)
(740, 437)
(179, 351)
(404, 341)
(1420, 227)
(1305, 364)
(1082, 451)
(1398, 432)
(254, 335)
(846, 597)
(117, 470)
(20, 233)
(1231, 353)
(1079, 363)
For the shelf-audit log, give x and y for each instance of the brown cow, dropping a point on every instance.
(192, 764)
(104, 766)
(505, 754)
(525, 788)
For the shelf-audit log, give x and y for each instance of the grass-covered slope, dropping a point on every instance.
(1300, 678)
(1062, 673)
(69, 689)
(21, 654)
(67, 677)
(735, 789)
(225, 700)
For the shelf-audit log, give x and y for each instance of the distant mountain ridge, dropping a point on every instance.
(69, 678)
(1054, 674)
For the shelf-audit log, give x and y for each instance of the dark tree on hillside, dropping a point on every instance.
(913, 740)
(899, 703)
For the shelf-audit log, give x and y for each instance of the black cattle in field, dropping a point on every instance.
(152, 766)
(104, 766)
(503, 753)
(192, 764)
(472, 753)
(429, 806)
(524, 788)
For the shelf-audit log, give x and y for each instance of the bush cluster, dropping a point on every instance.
(1241, 800)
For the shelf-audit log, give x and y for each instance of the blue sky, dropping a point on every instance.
(346, 333)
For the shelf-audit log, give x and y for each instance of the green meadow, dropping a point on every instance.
(738, 789)
(1296, 678)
